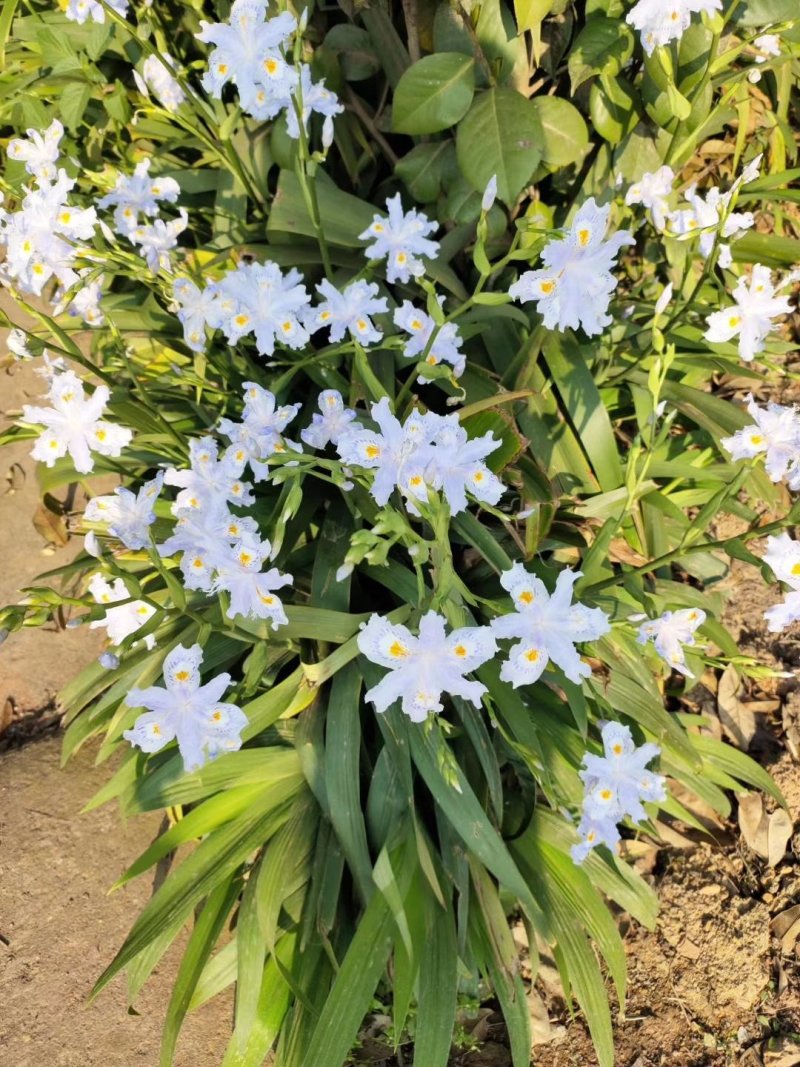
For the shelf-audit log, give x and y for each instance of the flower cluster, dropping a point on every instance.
(751, 318)
(434, 344)
(616, 784)
(186, 711)
(254, 298)
(670, 633)
(783, 558)
(137, 195)
(573, 289)
(662, 21)
(249, 50)
(74, 424)
(708, 217)
(547, 627)
(424, 667)
(128, 515)
(43, 238)
(775, 433)
(222, 551)
(426, 452)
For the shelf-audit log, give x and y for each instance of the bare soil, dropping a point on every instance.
(59, 928)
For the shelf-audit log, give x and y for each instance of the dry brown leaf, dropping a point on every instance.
(784, 921)
(737, 718)
(15, 478)
(52, 527)
(753, 823)
(782, 1052)
(778, 834)
(6, 714)
(541, 1030)
(619, 551)
(790, 716)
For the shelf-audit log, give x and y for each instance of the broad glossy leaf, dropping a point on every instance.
(501, 135)
(433, 94)
(603, 46)
(565, 135)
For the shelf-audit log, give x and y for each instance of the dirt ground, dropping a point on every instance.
(718, 983)
(59, 928)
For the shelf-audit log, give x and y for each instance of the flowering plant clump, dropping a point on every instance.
(413, 349)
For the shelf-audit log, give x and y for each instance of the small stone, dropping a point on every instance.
(688, 949)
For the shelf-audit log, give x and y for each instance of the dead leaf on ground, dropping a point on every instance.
(15, 478)
(790, 716)
(541, 1030)
(52, 527)
(767, 835)
(737, 718)
(781, 1052)
(780, 831)
(753, 823)
(6, 714)
(784, 921)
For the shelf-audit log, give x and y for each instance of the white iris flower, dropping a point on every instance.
(757, 304)
(422, 668)
(670, 633)
(616, 784)
(187, 711)
(574, 287)
(73, 425)
(401, 239)
(548, 626)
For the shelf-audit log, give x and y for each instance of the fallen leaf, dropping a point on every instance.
(785, 920)
(541, 1030)
(6, 714)
(52, 527)
(778, 834)
(782, 1052)
(15, 477)
(753, 823)
(737, 718)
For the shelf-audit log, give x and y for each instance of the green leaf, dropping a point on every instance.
(736, 764)
(769, 249)
(438, 984)
(209, 865)
(583, 403)
(6, 18)
(531, 13)
(195, 824)
(501, 135)
(463, 810)
(613, 108)
(343, 216)
(577, 962)
(202, 940)
(565, 133)
(72, 104)
(433, 94)
(765, 12)
(351, 995)
(603, 46)
(251, 1049)
(355, 50)
(427, 168)
(342, 777)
